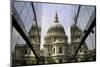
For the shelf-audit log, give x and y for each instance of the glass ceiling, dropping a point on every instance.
(45, 13)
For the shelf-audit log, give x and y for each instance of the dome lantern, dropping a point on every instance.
(56, 18)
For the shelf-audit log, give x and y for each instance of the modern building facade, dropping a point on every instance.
(56, 46)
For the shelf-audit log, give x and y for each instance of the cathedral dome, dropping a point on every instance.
(33, 30)
(56, 28)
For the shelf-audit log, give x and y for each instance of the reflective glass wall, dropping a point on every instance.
(50, 33)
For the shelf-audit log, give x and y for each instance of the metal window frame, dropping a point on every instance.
(19, 26)
(24, 33)
(88, 31)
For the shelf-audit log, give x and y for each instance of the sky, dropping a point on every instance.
(66, 15)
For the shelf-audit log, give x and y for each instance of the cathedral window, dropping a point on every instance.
(53, 50)
(60, 50)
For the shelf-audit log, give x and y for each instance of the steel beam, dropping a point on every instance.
(77, 15)
(19, 26)
(93, 24)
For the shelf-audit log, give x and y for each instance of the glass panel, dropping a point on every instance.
(18, 46)
(53, 26)
(17, 4)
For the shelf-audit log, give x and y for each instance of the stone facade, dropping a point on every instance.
(35, 39)
(56, 48)
(56, 44)
(18, 56)
(23, 55)
(76, 36)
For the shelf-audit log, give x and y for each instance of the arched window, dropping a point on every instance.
(60, 50)
(53, 50)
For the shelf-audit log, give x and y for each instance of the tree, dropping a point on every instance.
(51, 61)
